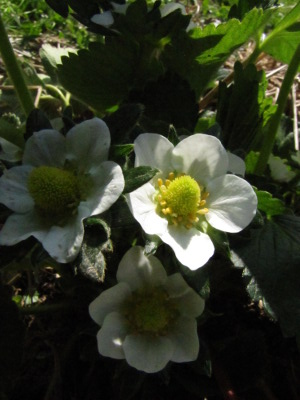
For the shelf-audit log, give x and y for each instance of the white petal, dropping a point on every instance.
(143, 207)
(13, 189)
(280, 172)
(192, 247)
(10, 152)
(236, 164)
(232, 203)
(19, 227)
(148, 354)
(120, 8)
(88, 143)
(63, 243)
(185, 340)
(46, 147)
(105, 19)
(108, 301)
(111, 336)
(137, 270)
(108, 184)
(201, 156)
(171, 7)
(153, 150)
(188, 302)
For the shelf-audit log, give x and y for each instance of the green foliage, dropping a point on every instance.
(91, 261)
(269, 205)
(240, 9)
(272, 255)
(146, 73)
(136, 177)
(32, 18)
(243, 110)
(11, 133)
(100, 76)
(283, 40)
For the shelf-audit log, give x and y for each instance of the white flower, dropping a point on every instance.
(148, 318)
(280, 172)
(171, 7)
(105, 19)
(236, 164)
(62, 181)
(192, 188)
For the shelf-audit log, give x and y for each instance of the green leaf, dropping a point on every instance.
(91, 260)
(51, 57)
(283, 46)
(120, 150)
(11, 133)
(291, 18)
(206, 49)
(272, 255)
(136, 177)
(169, 99)
(250, 161)
(268, 204)
(92, 263)
(243, 110)
(282, 42)
(100, 76)
(123, 121)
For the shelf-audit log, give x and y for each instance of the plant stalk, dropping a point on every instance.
(14, 71)
(270, 136)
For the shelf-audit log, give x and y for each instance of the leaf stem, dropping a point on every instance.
(14, 71)
(270, 136)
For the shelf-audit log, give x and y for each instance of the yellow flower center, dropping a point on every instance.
(181, 200)
(150, 311)
(55, 192)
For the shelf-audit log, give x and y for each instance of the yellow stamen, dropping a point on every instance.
(181, 199)
(202, 211)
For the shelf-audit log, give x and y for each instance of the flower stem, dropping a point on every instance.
(271, 132)
(14, 71)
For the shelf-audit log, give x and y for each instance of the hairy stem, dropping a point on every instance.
(14, 71)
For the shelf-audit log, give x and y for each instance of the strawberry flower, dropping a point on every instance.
(148, 318)
(192, 190)
(62, 181)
